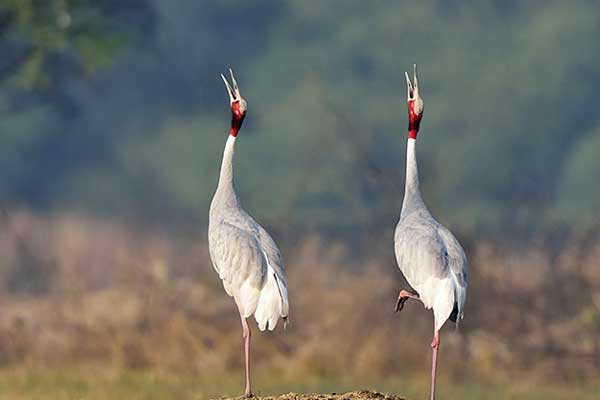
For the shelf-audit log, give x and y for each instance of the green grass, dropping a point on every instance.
(52, 385)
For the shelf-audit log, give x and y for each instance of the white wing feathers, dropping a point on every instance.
(435, 266)
(457, 263)
(274, 297)
(250, 266)
(237, 257)
(271, 303)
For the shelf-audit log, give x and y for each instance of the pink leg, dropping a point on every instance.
(435, 344)
(247, 334)
(402, 297)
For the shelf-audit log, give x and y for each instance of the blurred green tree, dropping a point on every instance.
(42, 38)
(509, 89)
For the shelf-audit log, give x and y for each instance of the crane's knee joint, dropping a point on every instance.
(246, 333)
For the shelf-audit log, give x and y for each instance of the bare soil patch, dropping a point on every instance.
(357, 395)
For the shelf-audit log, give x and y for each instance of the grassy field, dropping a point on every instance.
(101, 310)
(52, 385)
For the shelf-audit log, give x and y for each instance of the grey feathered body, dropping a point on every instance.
(428, 254)
(244, 254)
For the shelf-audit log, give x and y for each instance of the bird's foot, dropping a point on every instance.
(400, 303)
(249, 395)
(402, 297)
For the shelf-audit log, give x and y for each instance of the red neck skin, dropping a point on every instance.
(414, 121)
(237, 118)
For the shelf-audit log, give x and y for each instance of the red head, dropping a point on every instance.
(415, 104)
(238, 105)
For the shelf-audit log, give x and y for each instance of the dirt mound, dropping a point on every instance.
(358, 395)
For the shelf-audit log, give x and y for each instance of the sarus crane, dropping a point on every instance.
(428, 254)
(242, 252)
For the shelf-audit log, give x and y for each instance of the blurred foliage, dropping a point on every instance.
(41, 37)
(509, 142)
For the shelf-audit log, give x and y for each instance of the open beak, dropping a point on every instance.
(234, 93)
(412, 89)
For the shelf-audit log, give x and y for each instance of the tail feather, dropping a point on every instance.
(270, 305)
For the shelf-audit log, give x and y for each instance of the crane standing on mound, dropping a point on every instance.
(429, 256)
(242, 252)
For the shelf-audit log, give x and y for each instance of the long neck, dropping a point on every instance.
(226, 176)
(412, 193)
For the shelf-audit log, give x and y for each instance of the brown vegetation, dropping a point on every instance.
(81, 292)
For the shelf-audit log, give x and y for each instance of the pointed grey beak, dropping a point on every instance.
(412, 88)
(234, 93)
(236, 89)
(416, 81)
(409, 87)
(413, 92)
(229, 90)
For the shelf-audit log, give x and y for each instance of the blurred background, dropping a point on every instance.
(113, 119)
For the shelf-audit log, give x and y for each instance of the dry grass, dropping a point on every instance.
(102, 296)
